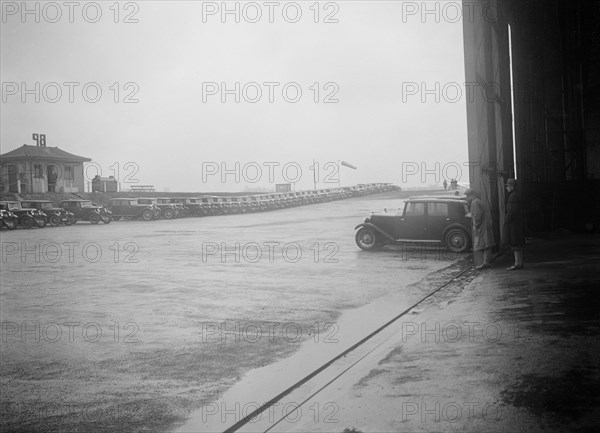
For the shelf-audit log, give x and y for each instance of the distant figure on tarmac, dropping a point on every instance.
(445, 185)
(482, 234)
(514, 231)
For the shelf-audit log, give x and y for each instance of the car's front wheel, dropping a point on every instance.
(457, 241)
(27, 222)
(168, 213)
(147, 215)
(94, 218)
(54, 220)
(366, 239)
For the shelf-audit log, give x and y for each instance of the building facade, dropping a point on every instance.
(39, 169)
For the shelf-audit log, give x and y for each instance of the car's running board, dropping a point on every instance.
(431, 241)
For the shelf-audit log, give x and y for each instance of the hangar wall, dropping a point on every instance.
(555, 91)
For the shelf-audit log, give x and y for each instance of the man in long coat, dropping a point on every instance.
(482, 232)
(514, 231)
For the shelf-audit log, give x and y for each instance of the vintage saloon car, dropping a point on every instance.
(431, 220)
(131, 208)
(169, 210)
(189, 206)
(56, 215)
(87, 211)
(26, 217)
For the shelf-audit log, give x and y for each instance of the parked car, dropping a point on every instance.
(169, 210)
(434, 220)
(208, 206)
(26, 217)
(157, 212)
(188, 206)
(85, 210)
(131, 208)
(56, 215)
(8, 219)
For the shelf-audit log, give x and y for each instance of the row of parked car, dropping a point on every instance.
(39, 213)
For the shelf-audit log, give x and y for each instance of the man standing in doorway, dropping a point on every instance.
(514, 231)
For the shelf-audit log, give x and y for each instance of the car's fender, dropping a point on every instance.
(456, 226)
(141, 211)
(374, 227)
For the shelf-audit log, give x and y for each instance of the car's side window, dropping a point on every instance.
(437, 209)
(415, 209)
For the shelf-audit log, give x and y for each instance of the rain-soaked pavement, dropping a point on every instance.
(138, 326)
(493, 351)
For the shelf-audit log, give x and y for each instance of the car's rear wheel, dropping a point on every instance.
(106, 218)
(168, 213)
(457, 241)
(54, 220)
(40, 222)
(70, 220)
(147, 215)
(94, 218)
(366, 239)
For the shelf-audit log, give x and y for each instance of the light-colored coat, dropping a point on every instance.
(483, 234)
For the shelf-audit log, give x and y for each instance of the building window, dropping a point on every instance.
(38, 171)
(69, 173)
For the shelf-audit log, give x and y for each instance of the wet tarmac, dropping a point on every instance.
(496, 351)
(137, 326)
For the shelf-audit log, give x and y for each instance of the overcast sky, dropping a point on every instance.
(176, 50)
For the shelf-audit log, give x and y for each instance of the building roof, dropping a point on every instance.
(41, 153)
